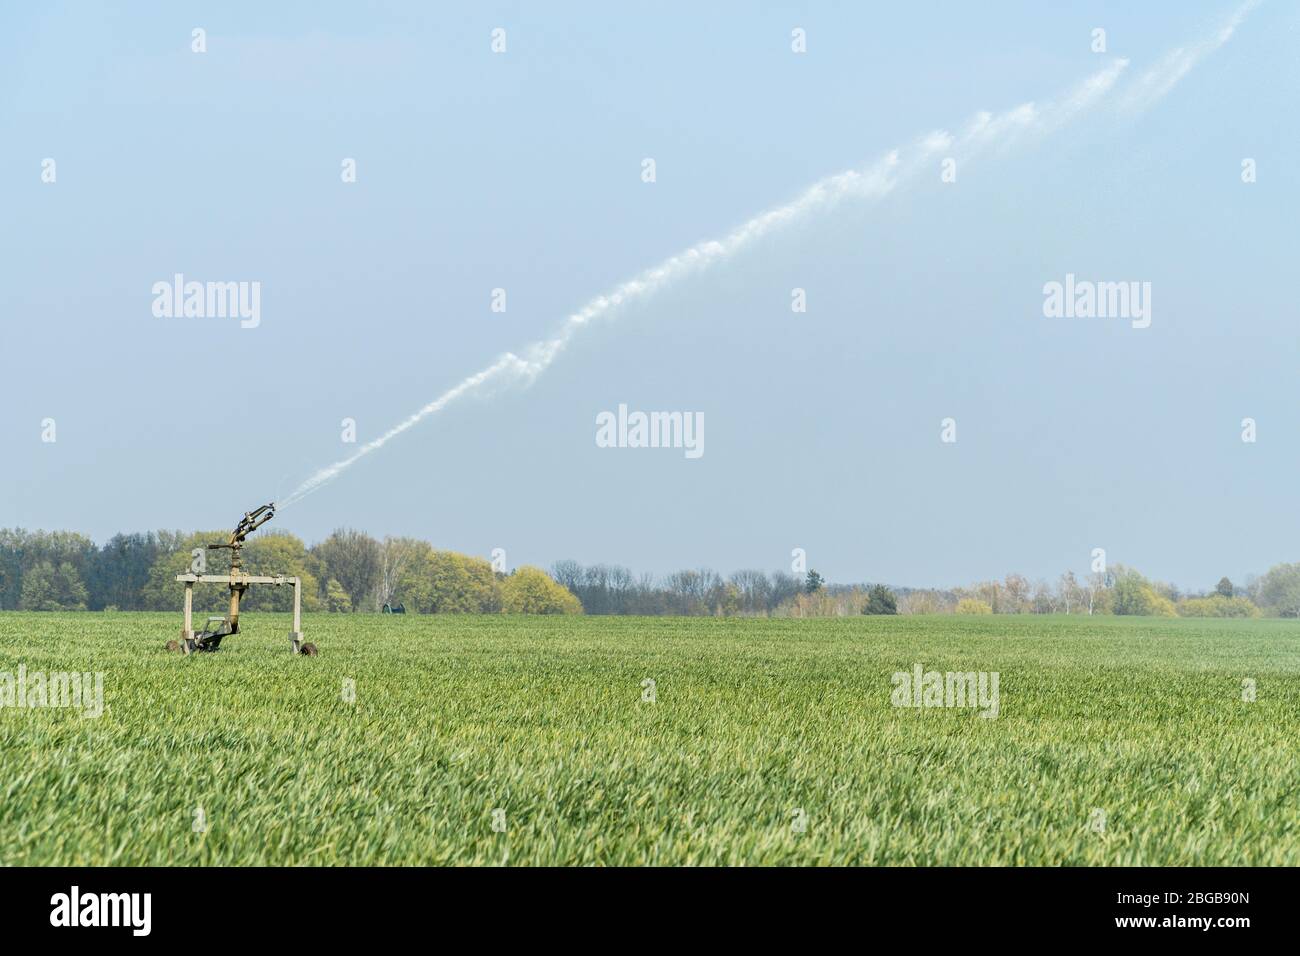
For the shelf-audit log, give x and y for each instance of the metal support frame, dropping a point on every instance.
(238, 582)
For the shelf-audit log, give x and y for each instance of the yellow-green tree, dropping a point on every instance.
(532, 591)
(336, 598)
(463, 584)
(1134, 595)
(279, 553)
(275, 553)
(444, 582)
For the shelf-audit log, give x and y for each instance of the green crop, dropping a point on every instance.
(1117, 741)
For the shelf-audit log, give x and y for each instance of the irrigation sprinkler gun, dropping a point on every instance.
(209, 639)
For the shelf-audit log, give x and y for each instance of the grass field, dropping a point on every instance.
(752, 722)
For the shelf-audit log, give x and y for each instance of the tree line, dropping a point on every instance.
(351, 571)
(613, 589)
(1122, 590)
(347, 572)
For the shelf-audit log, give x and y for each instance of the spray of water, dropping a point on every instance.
(1155, 83)
(984, 132)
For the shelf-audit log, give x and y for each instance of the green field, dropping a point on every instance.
(754, 720)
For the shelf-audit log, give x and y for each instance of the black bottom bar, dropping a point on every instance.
(333, 906)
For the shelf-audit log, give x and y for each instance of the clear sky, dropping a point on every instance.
(522, 170)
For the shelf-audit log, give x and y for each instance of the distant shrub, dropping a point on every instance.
(1160, 606)
(972, 606)
(1217, 605)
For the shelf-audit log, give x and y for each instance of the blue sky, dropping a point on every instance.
(522, 171)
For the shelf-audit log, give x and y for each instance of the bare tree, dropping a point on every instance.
(1016, 594)
(1045, 602)
(352, 559)
(568, 573)
(784, 587)
(1095, 591)
(1067, 589)
(394, 556)
(754, 589)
